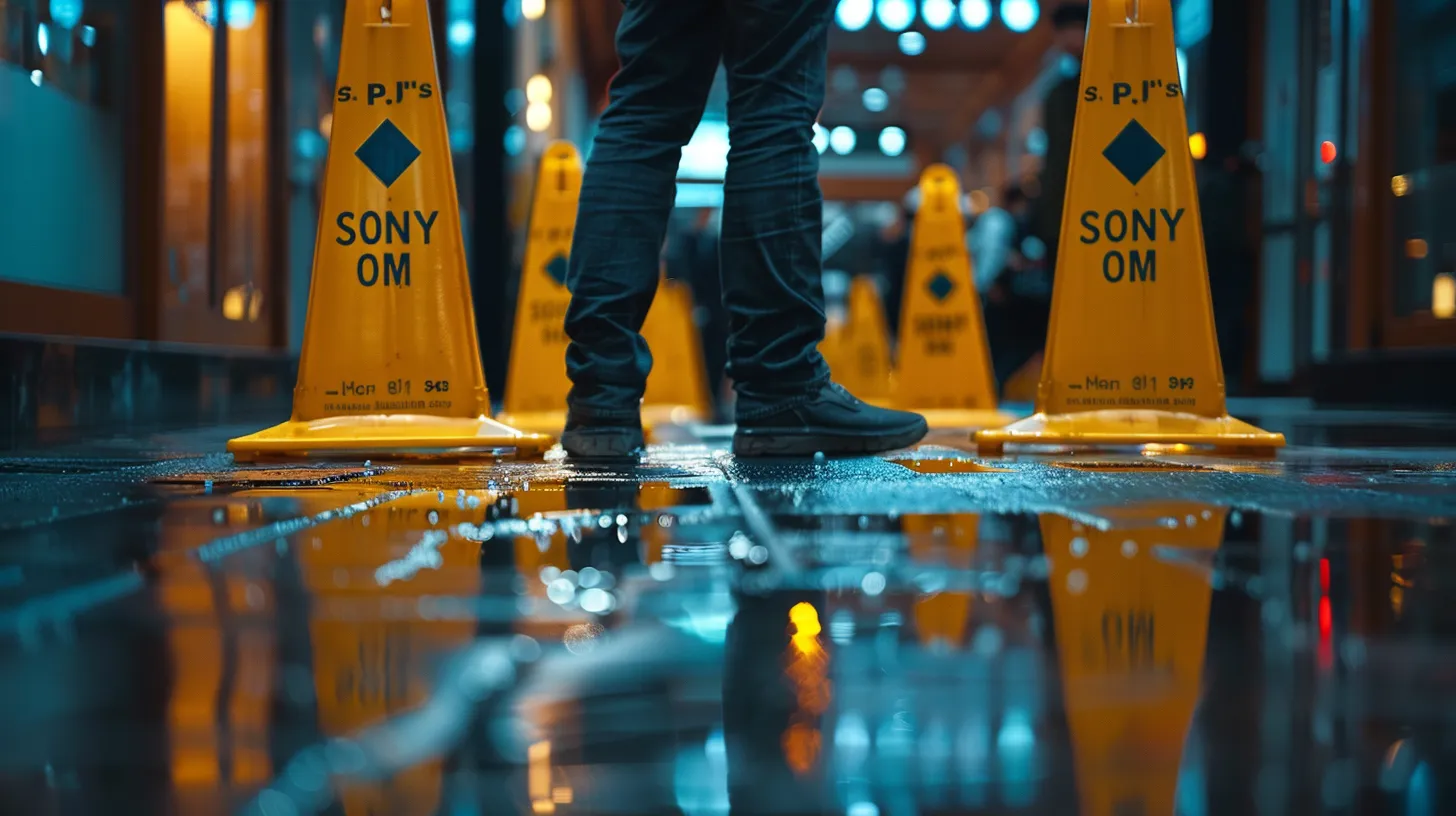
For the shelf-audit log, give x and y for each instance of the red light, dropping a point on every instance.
(1325, 575)
(1328, 152)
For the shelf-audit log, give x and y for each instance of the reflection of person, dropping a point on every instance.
(775, 58)
(777, 754)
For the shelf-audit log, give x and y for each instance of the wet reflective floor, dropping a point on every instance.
(930, 632)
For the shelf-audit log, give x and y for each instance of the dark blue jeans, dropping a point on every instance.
(774, 53)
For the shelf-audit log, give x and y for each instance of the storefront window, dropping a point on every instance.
(62, 213)
(1424, 161)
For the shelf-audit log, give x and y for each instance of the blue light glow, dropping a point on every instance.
(912, 43)
(895, 15)
(853, 15)
(938, 14)
(875, 100)
(241, 13)
(975, 14)
(892, 141)
(67, 13)
(1020, 15)
(461, 35)
(842, 140)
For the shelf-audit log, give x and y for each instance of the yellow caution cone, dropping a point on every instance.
(858, 349)
(948, 541)
(1021, 385)
(1132, 354)
(1131, 617)
(944, 366)
(371, 662)
(391, 361)
(677, 388)
(536, 384)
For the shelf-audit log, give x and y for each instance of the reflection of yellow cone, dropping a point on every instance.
(858, 349)
(1131, 354)
(391, 361)
(536, 383)
(1130, 606)
(371, 661)
(677, 388)
(950, 540)
(944, 365)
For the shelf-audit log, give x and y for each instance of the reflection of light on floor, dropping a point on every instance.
(544, 798)
(808, 669)
(700, 778)
(1016, 757)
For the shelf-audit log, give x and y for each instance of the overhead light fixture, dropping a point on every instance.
(842, 140)
(538, 89)
(892, 141)
(938, 14)
(912, 43)
(875, 100)
(1020, 15)
(975, 14)
(895, 15)
(538, 116)
(854, 15)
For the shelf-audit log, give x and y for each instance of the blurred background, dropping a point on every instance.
(162, 165)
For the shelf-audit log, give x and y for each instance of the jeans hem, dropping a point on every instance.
(580, 414)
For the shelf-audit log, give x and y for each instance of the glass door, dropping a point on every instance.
(216, 285)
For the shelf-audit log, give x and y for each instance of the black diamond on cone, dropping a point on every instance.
(941, 286)
(387, 152)
(1134, 152)
(556, 268)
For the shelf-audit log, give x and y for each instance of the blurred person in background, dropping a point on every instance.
(775, 57)
(1059, 111)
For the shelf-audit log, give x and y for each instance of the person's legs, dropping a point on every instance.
(670, 51)
(775, 56)
(775, 53)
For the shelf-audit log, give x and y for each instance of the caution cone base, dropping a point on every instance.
(386, 435)
(966, 418)
(545, 422)
(1127, 427)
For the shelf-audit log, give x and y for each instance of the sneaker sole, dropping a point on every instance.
(603, 444)
(776, 442)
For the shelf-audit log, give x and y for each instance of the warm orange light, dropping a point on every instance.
(1400, 185)
(1198, 146)
(1328, 152)
(533, 9)
(1416, 249)
(1443, 296)
(980, 201)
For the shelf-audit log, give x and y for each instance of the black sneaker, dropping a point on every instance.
(603, 438)
(830, 422)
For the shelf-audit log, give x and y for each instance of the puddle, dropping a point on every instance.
(270, 477)
(948, 466)
(563, 638)
(1132, 466)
